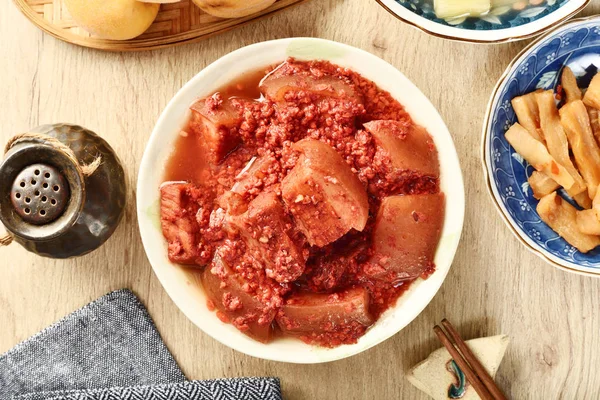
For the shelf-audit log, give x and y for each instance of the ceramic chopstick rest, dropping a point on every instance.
(440, 377)
(62, 191)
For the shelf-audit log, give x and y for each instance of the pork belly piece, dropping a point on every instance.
(270, 238)
(316, 313)
(406, 235)
(275, 88)
(225, 291)
(413, 150)
(215, 121)
(179, 224)
(323, 194)
(258, 174)
(232, 204)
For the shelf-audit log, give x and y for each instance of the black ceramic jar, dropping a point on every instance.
(62, 191)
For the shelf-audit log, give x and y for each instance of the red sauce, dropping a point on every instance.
(186, 163)
(266, 264)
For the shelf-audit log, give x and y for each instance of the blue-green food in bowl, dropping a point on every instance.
(482, 14)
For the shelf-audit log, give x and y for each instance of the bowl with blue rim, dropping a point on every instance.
(575, 44)
(484, 21)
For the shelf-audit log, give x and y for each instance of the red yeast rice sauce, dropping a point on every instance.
(308, 200)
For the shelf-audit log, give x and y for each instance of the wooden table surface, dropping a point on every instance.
(495, 285)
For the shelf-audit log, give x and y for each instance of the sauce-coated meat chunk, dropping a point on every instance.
(226, 292)
(216, 121)
(257, 175)
(409, 149)
(323, 194)
(269, 235)
(178, 220)
(276, 87)
(408, 157)
(406, 235)
(342, 316)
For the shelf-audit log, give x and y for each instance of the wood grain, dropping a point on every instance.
(495, 285)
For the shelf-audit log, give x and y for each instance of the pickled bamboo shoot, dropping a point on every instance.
(537, 155)
(576, 123)
(594, 116)
(541, 185)
(569, 85)
(562, 218)
(588, 222)
(556, 139)
(592, 95)
(583, 200)
(528, 115)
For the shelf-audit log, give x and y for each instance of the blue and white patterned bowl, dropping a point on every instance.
(575, 44)
(501, 24)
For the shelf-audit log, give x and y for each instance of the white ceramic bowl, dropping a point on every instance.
(493, 28)
(182, 285)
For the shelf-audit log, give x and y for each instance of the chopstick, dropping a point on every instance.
(485, 377)
(476, 374)
(462, 364)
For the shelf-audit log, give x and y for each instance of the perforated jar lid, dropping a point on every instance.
(50, 202)
(40, 194)
(41, 191)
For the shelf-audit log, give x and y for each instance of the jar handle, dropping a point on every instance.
(86, 169)
(6, 239)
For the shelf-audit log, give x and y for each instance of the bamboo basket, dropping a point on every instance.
(176, 23)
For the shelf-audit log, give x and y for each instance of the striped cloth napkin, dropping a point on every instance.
(111, 350)
(218, 389)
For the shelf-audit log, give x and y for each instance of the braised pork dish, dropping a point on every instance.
(306, 198)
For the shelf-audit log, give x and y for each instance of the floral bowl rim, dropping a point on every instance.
(181, 285)
(485, 154)
(505, 35)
